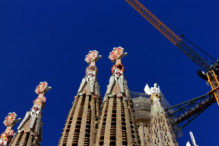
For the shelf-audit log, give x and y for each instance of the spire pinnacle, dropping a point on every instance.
(9, 122)
(31, 125)
(42, 88)
(89, 83)
(117, 54)
(155, 91)
(152, 90)
(92, 57)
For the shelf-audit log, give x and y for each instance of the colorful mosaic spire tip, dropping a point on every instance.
(9, 122)
(117, 54)
(42, 88)
(92, 56)
(11, 119)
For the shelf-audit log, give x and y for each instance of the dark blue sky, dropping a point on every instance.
(47, 41)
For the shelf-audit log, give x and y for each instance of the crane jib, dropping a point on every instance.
(193, 55)
(169, 34)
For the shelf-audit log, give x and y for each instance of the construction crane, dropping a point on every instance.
(189, 110)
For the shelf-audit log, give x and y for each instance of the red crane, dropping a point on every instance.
(189, 110)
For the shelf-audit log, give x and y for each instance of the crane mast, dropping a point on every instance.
(212, 71)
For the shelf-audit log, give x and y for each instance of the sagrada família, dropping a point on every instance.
(95, 122)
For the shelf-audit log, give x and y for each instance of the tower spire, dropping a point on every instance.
(9, 122)
(117, 126)
(161, 130)
(30, 129)
(82, 119)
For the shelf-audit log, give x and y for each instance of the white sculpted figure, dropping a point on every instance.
(156, 95)
(117, 77)
(152, 90)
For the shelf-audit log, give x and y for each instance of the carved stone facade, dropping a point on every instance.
(81, 123)
(30, 129)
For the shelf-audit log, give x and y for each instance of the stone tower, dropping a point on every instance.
(81, 123)
(161, 133)
(9, 122)
(30, 129)
(117, 125)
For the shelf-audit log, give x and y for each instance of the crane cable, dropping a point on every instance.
(183, 36)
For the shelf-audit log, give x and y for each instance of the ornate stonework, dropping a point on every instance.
(89, 84)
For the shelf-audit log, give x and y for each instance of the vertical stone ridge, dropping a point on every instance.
(107, 134)
(118, 122)
(68, 124)
(102, 125)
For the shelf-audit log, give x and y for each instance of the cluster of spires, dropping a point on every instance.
(91, 123)
(30, 129)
